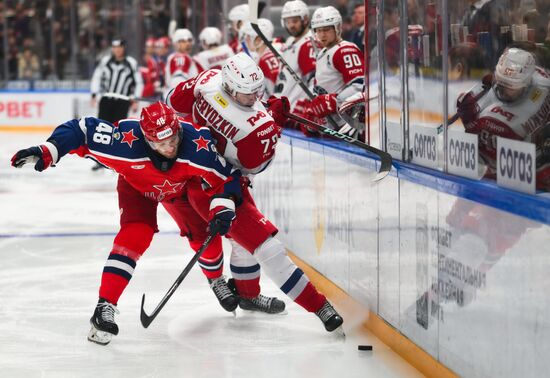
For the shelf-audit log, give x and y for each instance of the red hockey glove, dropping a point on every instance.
(301, 110)
(222, 214)
(467, 107)
(277, 108)
(323, 105)
(41, 155)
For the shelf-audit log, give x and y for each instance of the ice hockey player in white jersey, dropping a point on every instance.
(179, 65)
(247, 133)
(214, 53)
(297, 52)
(236, 17)
(517, 106)
(340, 68)
(263, 56)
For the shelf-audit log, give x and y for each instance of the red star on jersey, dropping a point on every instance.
(201, 143)
(129, 137)
(167, 188)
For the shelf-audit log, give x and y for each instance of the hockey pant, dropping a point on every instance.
(254, 247)
(138, 224)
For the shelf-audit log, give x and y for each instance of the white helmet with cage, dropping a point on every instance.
(265, 26)
(294, 8)
(240, 74)
(327, 16)
(239, 13)
(182, 35)
(210, 36)
(515, 69)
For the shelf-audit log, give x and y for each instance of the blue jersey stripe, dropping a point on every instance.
(124, 259)
(118, 272)
(244, 269)
(292, 281)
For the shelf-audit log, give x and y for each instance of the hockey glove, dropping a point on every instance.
(278, 108)
(323, 105)
(44, 156)
(222, 214)
(467, 107)
(301, 109)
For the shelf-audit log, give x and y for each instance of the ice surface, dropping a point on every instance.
(56, 230)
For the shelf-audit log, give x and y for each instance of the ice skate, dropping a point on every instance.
(330, 318)
(269, 305)
(226, 297)
(103, 323)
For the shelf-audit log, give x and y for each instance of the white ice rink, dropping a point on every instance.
(56, 233)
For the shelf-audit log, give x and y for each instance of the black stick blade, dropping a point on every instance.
(145, 319)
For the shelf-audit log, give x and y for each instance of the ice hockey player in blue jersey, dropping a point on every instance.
(156, 157)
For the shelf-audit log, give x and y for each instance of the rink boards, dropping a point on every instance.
(457, 266)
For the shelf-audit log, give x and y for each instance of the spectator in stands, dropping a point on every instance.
(28, 67)
(357, 33)
(487, 16)
(466, 61)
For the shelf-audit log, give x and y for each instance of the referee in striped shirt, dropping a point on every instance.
(117, 81)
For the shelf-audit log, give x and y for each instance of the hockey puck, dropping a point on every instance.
(364, 347)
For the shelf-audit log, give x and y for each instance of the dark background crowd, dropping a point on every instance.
(64, 39)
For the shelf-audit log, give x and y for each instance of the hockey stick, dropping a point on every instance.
(486, 84)
(385, 158)
(253, 6)
(147, 319)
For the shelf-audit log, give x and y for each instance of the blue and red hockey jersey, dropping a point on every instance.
(122, 147)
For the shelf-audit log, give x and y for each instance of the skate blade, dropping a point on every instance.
(284, 312)
(99, 337)
(339, 333)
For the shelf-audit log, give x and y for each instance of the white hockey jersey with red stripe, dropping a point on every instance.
(269, 65)
(338, 66)
(524, 119)
(300, 57)
(213, 58)
(245, 136)
(179, 67)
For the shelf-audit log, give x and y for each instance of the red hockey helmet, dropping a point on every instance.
(159, 122)
(163, 42)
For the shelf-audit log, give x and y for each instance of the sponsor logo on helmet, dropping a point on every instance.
(164, 133)
(535, 95)
(220, 100)
(141, 166)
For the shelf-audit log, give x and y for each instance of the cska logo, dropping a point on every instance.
(161, 122)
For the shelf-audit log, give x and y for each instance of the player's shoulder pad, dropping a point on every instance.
(346, 47)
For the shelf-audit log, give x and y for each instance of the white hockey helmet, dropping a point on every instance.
(265, 26)
(327, 16)
(210, 36)
(240, 74)
(294, 8)
(182, 35)
(515, 69)
(239, 13)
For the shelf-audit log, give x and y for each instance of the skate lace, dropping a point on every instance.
(262, 301)
(220, 288)
(325, 312)
(108, 312)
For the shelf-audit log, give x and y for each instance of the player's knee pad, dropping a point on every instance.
(272, 257)
(133, 239)
(243, 264)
